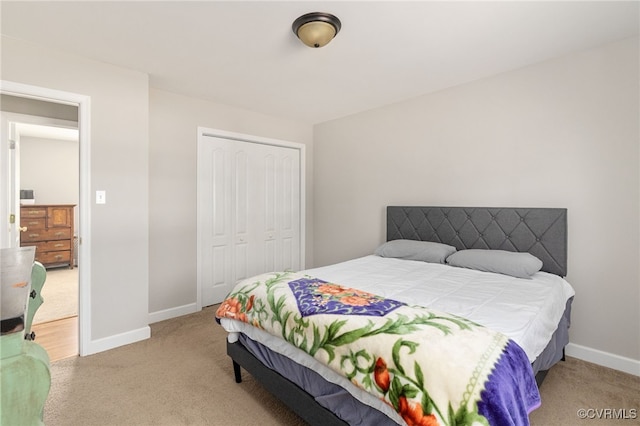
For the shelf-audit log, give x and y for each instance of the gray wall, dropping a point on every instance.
(174, 120)
(50, 168)
(562, 133)
(143, 153)
(119, 279)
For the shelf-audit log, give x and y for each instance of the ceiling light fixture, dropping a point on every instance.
(316, 29)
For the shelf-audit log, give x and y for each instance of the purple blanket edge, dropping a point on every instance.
(511, 392)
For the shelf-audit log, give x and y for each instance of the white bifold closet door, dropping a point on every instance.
(249, 212)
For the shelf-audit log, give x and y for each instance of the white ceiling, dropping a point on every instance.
(244, 54)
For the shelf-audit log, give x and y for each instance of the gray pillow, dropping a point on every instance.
(520, 265)
(424, 251)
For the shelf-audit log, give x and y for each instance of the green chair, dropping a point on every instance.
(24, 365)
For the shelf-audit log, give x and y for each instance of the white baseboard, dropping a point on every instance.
(178, 311)
(115, 341)
(137, 335)
(606, 359)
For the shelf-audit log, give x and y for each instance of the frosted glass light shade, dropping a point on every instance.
(316, 29)
(316, 34)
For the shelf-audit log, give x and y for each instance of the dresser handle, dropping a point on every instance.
(59, 234)
(34, 235)
(58, 257)
(58, 245)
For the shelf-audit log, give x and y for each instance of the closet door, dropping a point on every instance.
(280, 224)
(214, 220)
(249, 207)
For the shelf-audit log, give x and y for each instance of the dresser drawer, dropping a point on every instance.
(33, 222)
(45, 234)
(50, 245)
(52, 257)
(26, 212)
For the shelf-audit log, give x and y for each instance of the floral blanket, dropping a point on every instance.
(433, 368)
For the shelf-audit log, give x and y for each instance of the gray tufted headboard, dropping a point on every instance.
(539, 231)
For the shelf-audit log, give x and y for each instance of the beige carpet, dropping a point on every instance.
(182, 376)
(60, 294)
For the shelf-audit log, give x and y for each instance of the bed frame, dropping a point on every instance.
(539, 231)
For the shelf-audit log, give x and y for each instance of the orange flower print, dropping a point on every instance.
(232, 308)
(381, 375)
(250, 302)
(330, 289)
(354, 300)
(229, 308)
(413, 415)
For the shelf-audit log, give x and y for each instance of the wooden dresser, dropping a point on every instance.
(50, 229)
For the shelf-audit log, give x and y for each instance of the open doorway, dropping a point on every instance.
(44, 139)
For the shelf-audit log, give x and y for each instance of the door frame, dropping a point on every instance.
(83, 102)
(208, 132)
(11, 135)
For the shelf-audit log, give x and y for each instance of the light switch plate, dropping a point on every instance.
(101, 197)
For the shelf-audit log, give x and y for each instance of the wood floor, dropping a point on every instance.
(59, 338)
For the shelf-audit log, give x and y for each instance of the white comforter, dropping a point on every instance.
(527, 311)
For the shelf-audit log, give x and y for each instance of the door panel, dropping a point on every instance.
(59, 216)
(240, 212)
(250, 194)
(268, 230)
(288, 261)
(217, 256)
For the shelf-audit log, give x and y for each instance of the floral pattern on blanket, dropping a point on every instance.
(431, 367)
(316, 296)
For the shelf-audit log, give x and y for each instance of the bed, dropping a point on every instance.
(485, 344)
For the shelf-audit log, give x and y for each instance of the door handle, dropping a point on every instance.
(23, 229)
